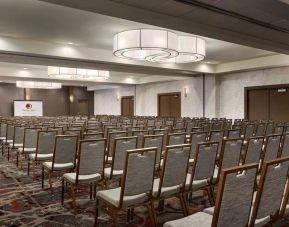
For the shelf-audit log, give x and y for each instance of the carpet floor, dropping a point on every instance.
(24, 203)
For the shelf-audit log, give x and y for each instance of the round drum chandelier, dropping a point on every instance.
(76, 73)
(158, 46)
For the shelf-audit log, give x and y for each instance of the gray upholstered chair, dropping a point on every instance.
(112, 135)
(269, 128)
(202, 172)
(233, 133)
(3, 133)
(17, 139)
(285, 145)
(95, 135)
(140, 134)
(173, 174)
(64, 156)
(121, 145)
(195, 138)
(233, 202)
(29, 143)
(260, 129)
(271, 190)
(249, 132)
(229, 157)
(136, 185)
(217, 135)
(44, 148)
(272, 147)
(279, 129)
(9, 135)
(176, 138)
(253, 150)
(89, 167)
(73, 131)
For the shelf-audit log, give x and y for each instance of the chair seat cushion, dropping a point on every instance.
(198, 219)
(112, 196)
(209, 210)
(109, 159)
(28, 150)
(2, 138)
(165, 191)
(197, 184)
(82, 178)
(261, 221)
(17, 145)
(41, 157)
(191, 161)
(115, 173)
(9, 141)
(58, 166)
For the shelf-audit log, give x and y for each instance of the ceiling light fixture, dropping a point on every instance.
(158, 46)
(77, 74)
(38, 85)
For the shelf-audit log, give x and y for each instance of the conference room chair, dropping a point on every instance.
(172, 180)
(217, 135)
(230, 156)
(17, 139)
(271, 147)
(201, 176)
(140, 135)
(112, 135)
(195, 138)
(77, 132)
(272, 187)
(120, 146)
(64, 157)
(233, 133)
(29, 145)
(249, 131)
(269, 128)
(216, 126)
(237, 183)
(260, 129)
(136, 185)
(9, 135)
(44, 149)
(89, 168)
(284, 152)
(95, 135)
(279, 129)
(3, 133)
(176, 138)
(179, 125)
(253, 150)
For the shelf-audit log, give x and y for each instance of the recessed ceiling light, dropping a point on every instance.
(25, 68)
(70, 43)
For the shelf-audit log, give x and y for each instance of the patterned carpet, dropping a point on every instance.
(24, 203)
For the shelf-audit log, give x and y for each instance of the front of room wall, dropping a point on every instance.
(223, 94)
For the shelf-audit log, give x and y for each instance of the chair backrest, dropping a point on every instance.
(234, 196)
(285, 145)
(30, 138)
(234, 133)
(271, 189)
(95, 135)
(272, 147)
(111, 138)
(204, 161)
(249, 131)
(65, 148)
(3, 130)
(269, 128)
(77, 132)
(230, 153)
(176, 138)
(138, 173)
(279, 129)
(18, 135)
(261, 129)
(91, 157)
(154, 141)
(175, 167)
(140, 135)
(253, 150)
(121, 145)
(10, 132)
(195, 138)
(45, 142)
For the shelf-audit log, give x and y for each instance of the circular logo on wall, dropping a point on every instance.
(28, 106)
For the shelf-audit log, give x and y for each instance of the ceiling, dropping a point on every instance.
(37, 34)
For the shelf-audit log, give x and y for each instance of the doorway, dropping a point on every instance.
(127, 105)
(83, 107)
(169, 105)
(267, 103)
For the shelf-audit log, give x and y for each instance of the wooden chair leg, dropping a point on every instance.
(90, 191)
(184, 208)
(62, 191)
(28, 166)
(151, 215)
(50, 180)
(185, 199)
(154, 216)
(42, 177)
(73, 192)
(114, 217)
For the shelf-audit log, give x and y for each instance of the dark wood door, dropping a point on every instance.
(169, 105)
(83, 107)
(279, 104)
(258, 104)
(127, 106)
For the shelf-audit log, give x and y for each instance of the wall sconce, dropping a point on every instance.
(71, 98)
(186, 92)
(118, 98)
